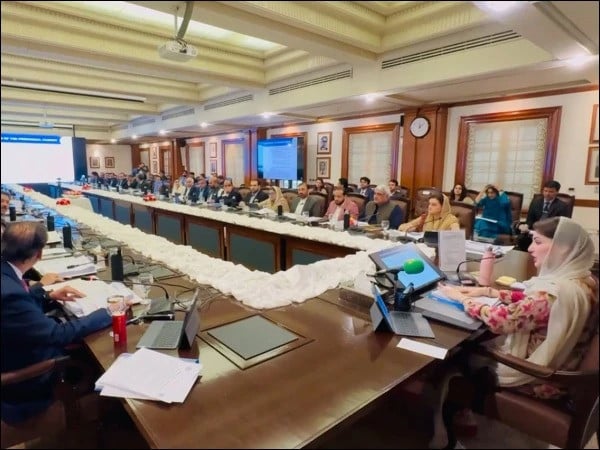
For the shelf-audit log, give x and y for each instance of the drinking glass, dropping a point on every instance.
(145, 280)
(305, 215)
(385, 225)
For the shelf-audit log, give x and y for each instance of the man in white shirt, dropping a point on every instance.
(305, 203)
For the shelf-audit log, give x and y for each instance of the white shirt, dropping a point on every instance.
(300, 206)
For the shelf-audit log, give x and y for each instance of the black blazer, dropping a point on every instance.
(260, 197)
(557, 208)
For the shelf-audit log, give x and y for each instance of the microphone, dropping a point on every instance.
(460, 280)
(12, 210)
(116, 266)
(411, 266)
(67, 236)
(72, 266)
(50, 222)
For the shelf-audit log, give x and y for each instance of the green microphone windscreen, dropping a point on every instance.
(413, 266)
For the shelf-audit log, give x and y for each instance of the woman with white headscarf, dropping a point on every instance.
(552, 321)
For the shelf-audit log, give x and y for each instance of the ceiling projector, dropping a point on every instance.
(179, 51)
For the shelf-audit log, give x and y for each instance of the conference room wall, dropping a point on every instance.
(121, 154)
(572, 150)
(336, 129)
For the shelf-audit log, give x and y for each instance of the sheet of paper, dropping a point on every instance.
(96, 292)
(451, 248)
(69, 267)
(153, 374)
(58, 252)
(53, 237)
(425, 349)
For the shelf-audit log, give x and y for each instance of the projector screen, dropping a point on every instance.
(35, 158)
(279, 159)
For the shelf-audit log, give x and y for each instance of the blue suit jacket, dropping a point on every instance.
(28, 336)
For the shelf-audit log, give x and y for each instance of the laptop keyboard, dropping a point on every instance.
(406, 323)
(169, 333)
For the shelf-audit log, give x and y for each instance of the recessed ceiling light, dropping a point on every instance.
(113, 141)
(499, 7)
(162, 132)
(266, 115)
(371, 97)
(203, 124)
(134, 136)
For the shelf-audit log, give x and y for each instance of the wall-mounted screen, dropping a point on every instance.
(280, 159)
(36, 158)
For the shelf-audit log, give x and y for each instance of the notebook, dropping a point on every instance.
(172, 334)
(401, 323)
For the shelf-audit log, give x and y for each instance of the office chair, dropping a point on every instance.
(67, 412)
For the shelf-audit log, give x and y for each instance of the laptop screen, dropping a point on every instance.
(397, 255)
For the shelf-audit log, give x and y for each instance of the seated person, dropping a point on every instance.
(496, 207)
(275, 200)
(202, 185)
(176, 187)
(319, 187)
(340, 204)
(365, 188)
(28, 335)
(256, 195)
(438, 217)
(305, 203)
(382, 209)
(550, 323)
(459, 194)
(230, 196)
(395, 193)
(214, 189)
(343, 182)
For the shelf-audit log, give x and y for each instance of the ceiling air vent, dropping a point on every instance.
(143, 121)
(231, 101)
(482, 41)
(312, 82)
(174, 115)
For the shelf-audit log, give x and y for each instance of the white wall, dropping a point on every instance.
(573, 143)
(121, 153)
(218, 140)
(337, 129)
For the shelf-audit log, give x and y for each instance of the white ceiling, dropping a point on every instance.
(302, 61)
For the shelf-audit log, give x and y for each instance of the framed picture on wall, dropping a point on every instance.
(109, 162)
(323, 167)
(94, 162)
(154, 166)
(595, 128)
(324, 143)
(213, 166)
(591, 171)
(213, 149)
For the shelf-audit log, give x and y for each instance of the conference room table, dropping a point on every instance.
(297, 398)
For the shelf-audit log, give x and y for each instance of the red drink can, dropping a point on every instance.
(119, 326)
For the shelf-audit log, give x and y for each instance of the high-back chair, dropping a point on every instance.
(516, 204)
(421, 200)
(329, 188)
(545, 420)
(404, 191)
(404, 204)
(244, 192)
(360, 200)
(290, 195)
(49, 422)
(465, 213)
(353, 187)
(321, 200)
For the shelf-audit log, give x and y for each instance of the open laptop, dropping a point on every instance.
(163, 335)
(401, 323)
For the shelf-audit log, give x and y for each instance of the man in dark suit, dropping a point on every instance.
(28, 336)
(365, 189)
(548, 205)
(255, 195)
(229, 195)
(305, 203)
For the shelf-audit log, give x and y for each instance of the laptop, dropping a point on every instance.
(173, 334)
(401, 323)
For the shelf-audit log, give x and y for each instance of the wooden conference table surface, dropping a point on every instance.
(288, 401)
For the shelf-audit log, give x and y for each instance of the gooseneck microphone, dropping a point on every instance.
(67, 237)
(411, 266)
(460, 280)
(12, 211)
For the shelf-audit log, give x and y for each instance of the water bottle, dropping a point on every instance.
(346, 220)
(279, 210)
(116, 266)
(486, 267)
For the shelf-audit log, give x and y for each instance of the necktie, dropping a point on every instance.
(25, 285)
(546, 208)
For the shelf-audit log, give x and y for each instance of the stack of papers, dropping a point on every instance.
(149, 375)
(58, 252)
(69, 267)
(478, 248)
(96, 292)
(53, 237)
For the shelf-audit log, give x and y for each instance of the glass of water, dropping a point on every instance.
(385, 225)
(145, 281)
(305, 215)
